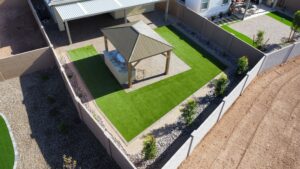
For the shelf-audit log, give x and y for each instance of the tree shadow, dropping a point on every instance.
(55, 124)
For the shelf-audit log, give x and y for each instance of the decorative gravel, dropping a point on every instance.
(46, 126)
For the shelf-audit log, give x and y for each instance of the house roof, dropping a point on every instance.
(136, 41)
(61, 2)
(76, 9)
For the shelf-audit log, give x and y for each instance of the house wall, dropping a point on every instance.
(290, 5)
(215, 7)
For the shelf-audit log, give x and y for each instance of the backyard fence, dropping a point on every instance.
(280, 56)
(85, 115)
(26, 62)
(213, 34)
(259, 63)
(197, 135)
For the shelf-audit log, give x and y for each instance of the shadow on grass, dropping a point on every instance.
(204, 52)
(97, 76)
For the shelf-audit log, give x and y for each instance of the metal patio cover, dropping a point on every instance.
(86, 8)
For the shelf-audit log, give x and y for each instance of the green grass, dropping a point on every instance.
(238, 35)
(281, 18)
(7, 155)
(133, 112)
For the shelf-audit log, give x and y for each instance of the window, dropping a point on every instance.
(204, 4)
(225, 1)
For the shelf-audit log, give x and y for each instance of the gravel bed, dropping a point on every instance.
(46, 125)
(166, 136)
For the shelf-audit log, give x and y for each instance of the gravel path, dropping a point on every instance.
(46, 126)
(261, 130)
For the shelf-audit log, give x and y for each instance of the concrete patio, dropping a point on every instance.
(274, 30)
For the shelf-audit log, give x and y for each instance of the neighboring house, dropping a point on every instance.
(208, 8)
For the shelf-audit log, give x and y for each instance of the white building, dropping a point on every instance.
(208, 8)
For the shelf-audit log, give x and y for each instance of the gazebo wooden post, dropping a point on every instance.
(129, 69)
(105, 43)
(168, 62)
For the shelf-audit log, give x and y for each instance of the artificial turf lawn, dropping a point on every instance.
(239, 35)
(281, 18)
(7, 156)
(133, 112)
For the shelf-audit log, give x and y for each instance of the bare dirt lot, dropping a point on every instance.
(18, 30)
(261, 130)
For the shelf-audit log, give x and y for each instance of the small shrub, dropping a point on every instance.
(242, 65)
(259, 39)
(69, 162)
(63, 128)
(295, 27)
(221, 85)
(221, 15)
(149, 150)
(213, 18)
(51, 99)
(189, 111)
(54, 112)
(45, 77)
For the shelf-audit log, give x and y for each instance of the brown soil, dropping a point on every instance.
(261, 130)
(18, 30)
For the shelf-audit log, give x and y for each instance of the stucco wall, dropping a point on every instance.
(229, 44)
(291, 5)
(27, 62)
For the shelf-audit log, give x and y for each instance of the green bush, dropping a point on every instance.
(149, 150)
(259, 40)
(221, 85)
(242, 65)
(189, 111)
(295, 25)
(63, 128)
(51, 99)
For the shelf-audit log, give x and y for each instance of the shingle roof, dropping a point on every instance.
(136, 41)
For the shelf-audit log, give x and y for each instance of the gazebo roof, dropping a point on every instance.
(136, 41)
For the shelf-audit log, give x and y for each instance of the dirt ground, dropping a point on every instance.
(18, 30)
(261, 130)
(46, 126)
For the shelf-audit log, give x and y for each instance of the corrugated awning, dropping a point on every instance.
(83, 9)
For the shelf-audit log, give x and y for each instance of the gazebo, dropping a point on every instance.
(136, 41)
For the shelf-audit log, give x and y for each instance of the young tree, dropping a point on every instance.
(242, 65)
(259, 40)
(189, 111)
(295, 26)
(149, 150)
(221, 85)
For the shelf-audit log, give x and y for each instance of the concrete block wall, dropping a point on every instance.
(25, 63)
(280, 56)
